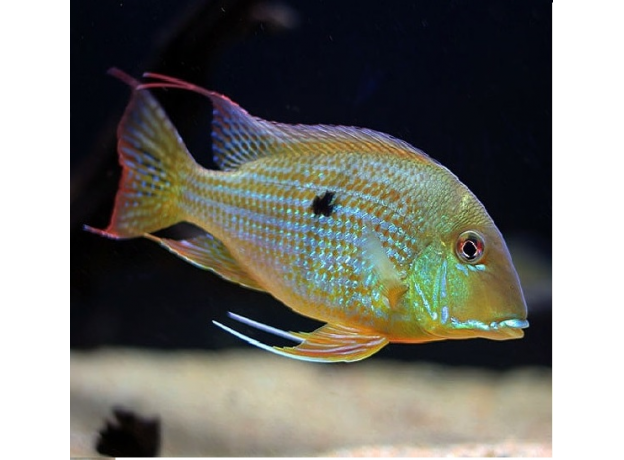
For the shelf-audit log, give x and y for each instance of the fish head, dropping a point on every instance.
(464, 283)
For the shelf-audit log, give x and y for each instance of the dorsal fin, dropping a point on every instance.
(238, 137)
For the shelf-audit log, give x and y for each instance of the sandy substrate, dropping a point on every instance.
(251, 403)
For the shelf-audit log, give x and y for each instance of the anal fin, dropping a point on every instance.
(208, 253)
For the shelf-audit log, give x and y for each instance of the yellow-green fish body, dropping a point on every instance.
(345, 225)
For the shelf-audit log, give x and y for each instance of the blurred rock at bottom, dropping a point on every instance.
(251, 403)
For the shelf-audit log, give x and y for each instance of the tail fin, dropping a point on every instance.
(155, 165)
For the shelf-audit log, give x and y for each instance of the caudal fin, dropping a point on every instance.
(155, 165)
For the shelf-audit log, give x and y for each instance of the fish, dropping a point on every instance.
(349, 226)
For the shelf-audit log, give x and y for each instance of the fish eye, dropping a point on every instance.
(470, 247)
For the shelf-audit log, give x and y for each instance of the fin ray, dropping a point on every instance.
(392, 286)
(238, 137)
(209, 253)
(154, 163)
(264, 328)
(329, 343)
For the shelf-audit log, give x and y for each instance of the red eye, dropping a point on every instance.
(470, 247)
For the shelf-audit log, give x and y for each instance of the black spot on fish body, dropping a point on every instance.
(323, 204)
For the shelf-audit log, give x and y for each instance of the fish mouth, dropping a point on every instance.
(496, 330)
(516, 323)
(509, 328)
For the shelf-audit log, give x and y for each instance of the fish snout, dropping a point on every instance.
(504, 329)
(507, 329)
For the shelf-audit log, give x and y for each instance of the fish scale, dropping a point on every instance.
(346, 225)
(280, 239)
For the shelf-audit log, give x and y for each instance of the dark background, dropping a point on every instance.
(469, 82)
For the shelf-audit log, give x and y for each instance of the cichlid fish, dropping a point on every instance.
(345, 225)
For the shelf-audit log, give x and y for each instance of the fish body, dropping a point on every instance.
(345, 225)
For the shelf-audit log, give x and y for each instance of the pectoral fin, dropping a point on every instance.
(207, 252)
(392, 286)
(329, 343)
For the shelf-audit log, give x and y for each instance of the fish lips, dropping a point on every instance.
(511, 328)
(508, 329)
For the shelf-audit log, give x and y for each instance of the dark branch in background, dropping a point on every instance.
(190, 46)
(129, 436)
